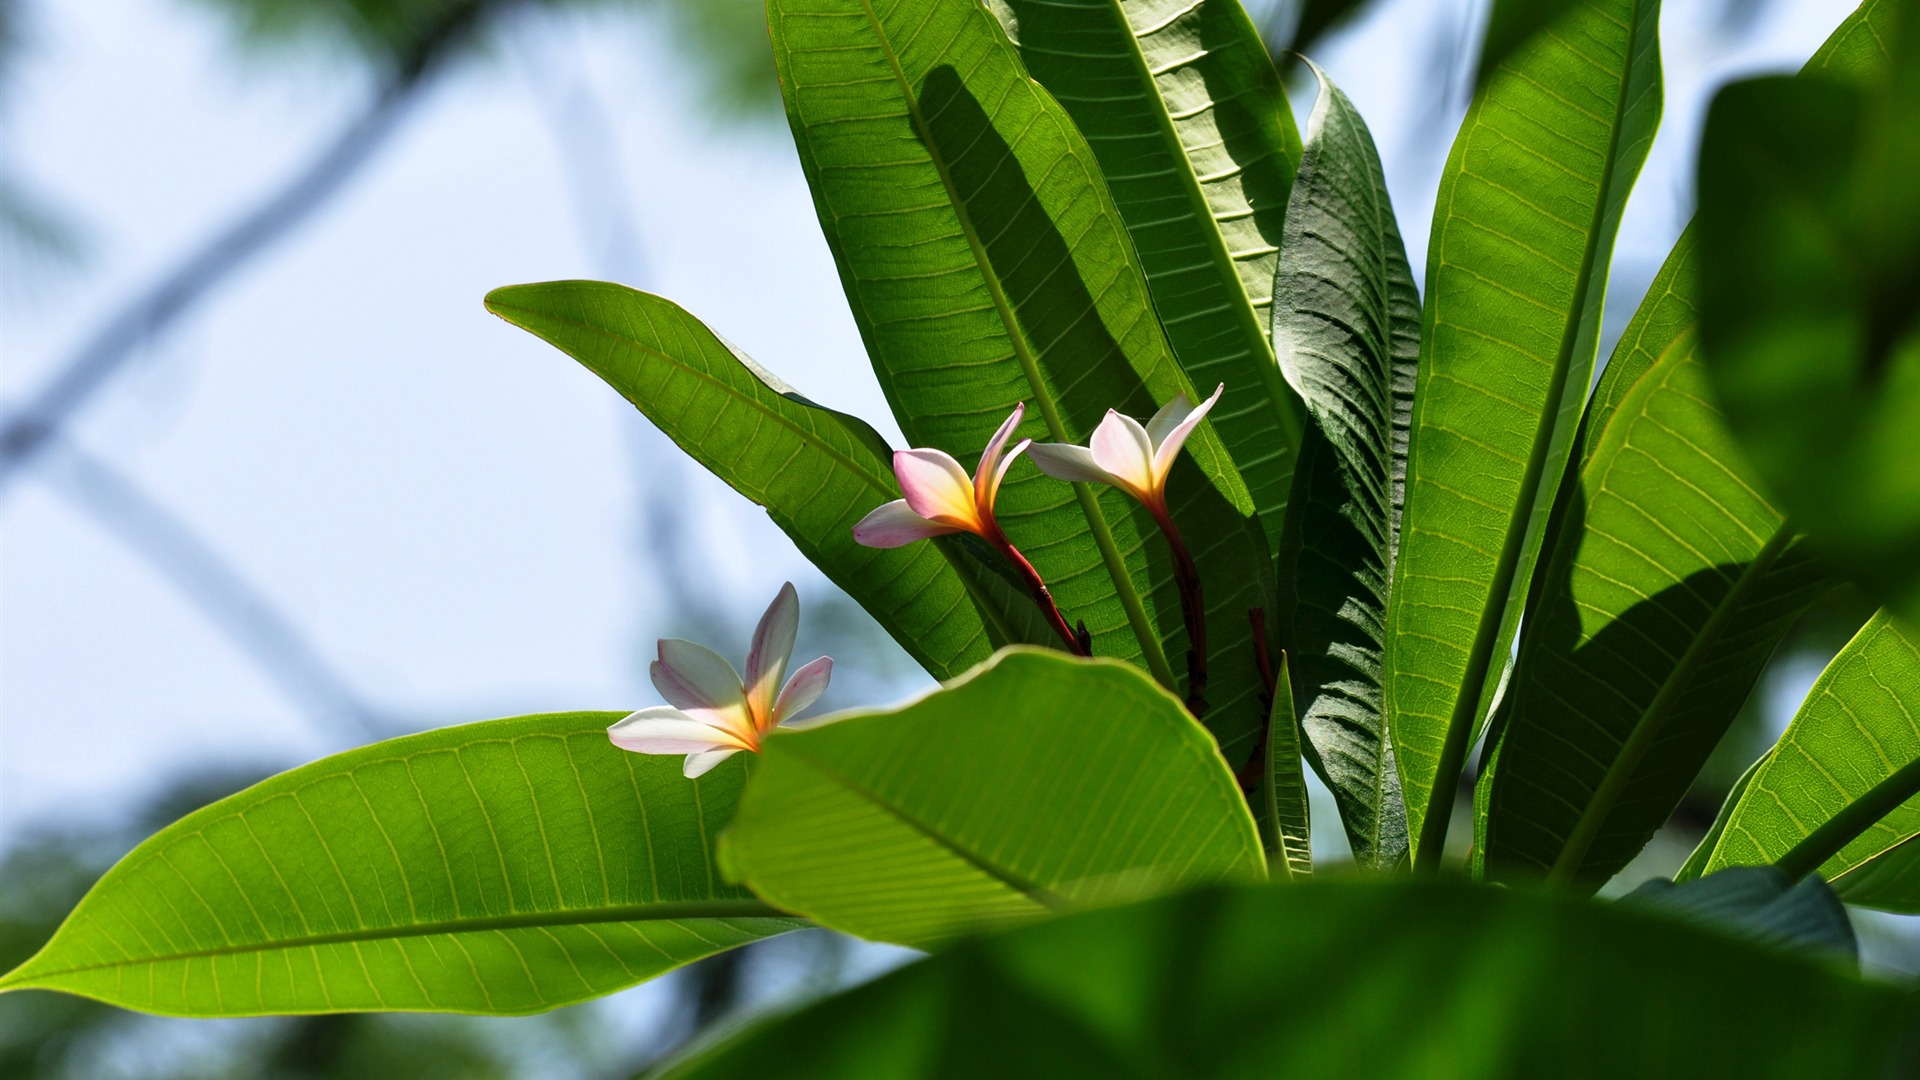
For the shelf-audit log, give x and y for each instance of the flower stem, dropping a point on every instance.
(1254, 772)
(1037, 588)
(1193, 608)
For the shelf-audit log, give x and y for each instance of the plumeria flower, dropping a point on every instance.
(1134, 458)
(1137, 459)
(941, 498)
(713, 713)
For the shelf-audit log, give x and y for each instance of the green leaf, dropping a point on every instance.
(505, 867)
(1346, 329)
(986, 266)
(1284, 813)
(1514, 24)
(1189, 121)
(1760, 904)
(1038, 783)
(1529, 204)
(815, 470)
(1696, 862)
(1858, 729)
(1810, 243)
(1670, 583)
(1890, 881)
(1387, 981)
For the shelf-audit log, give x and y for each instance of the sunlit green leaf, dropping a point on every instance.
(1384, 981)
(1190, 124)
(815, 470)
(1529, 204)
(1859, 727)
(1281, 801)
(1346, 330)
(505, 867)
(1039, 783)
(986, 266)
(1670, 583)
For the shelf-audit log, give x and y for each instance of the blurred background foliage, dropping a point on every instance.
(397, 48)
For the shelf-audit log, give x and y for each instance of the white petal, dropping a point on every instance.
(691, 676)
(936, 487)
(772, 646)
(1065, 461)
(700, 764)
(984, 497)
(1168, 418)
(661, 730)
(1121, 447)
(1167, 447)
(803, 689)
(990, 458)
(894, 524)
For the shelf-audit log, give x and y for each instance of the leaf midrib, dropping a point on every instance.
(1279, 395)
(1150, 647)
(25, 978)
(1475, 692)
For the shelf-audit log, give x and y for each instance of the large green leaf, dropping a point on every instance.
(1426, 981)
(1528, 207)
(1859, 728)
(1671, 581)
(986, 265)
(505, 867)
(1038, 783)
(1346, 330)
(1810, 244)
(1187, 117)
(815, 470)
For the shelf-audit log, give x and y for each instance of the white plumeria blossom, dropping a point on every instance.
(712, 712)
(940, 497)
(1134, 458)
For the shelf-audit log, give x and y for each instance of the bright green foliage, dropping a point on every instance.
(505, 867)
(1671, 581)
(1383, 981)
(1859, 727)
(1037, 784)
(1517, 265)
(987, 266)
(1187, 118)
(815, 470)
(1284, 816)
(1810, 239)
(1346, 330)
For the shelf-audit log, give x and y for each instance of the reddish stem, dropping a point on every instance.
(1037, 588)
(1193, 608)
(1254, 772)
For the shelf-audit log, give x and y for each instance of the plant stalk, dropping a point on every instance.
(1193, 609)
(1037, 588)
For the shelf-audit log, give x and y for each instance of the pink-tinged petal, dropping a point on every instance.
(803, 689)
(661, 730)
(691, 676)
(772, 646)
(1168, 418)
(936, 487)
(700, 764)
(983, 499)
(1121, 448)
(1167, 447)
(894, 524)
(1065, 461)
(990, 457)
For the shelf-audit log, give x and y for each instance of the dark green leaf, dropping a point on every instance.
(506, 867)
(1670, 583)
(815, 470)
(1760, 904)
(1382, 981)
(1528, 207)
(986, 266)
(1810, 244)
(1285, 817)
(1038, 783)
(1346, 329)
(1187, 117)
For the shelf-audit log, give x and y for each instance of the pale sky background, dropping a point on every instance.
(447, 506)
